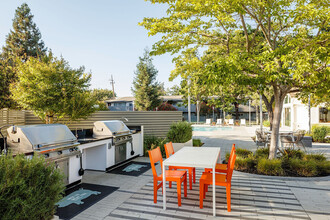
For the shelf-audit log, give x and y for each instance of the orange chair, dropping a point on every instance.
(177, 176)
(220, 180)
(192, 172)
(223, 168)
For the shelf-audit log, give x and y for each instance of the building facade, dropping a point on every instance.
(295, 114)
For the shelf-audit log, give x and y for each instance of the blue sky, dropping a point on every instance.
(101, 35)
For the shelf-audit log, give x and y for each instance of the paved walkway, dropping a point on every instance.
(253, 196)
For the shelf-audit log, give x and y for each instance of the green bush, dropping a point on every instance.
(152, 142)
(262, 153)
(245, 164)
(317, 157)
(292, 153)
(29, 188)
(320, 132)
(302, 168)
(266, 123)
(270, 167)
(197, 142)
(180, 132)
(323, 168)
(243, 153)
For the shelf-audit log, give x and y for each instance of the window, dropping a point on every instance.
(287, 117)
(287, 99)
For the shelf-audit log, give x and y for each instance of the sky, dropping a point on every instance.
(103, 35)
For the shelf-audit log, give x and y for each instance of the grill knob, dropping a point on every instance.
(59, 152)
(46, 155)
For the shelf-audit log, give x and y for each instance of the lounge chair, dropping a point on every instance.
(208, 121)
(219, 121)
(231, 122)
(243, 121)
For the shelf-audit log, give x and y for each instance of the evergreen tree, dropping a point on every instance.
(25, 39)
(145, 87)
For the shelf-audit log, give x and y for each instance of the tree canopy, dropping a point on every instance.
(282, 45)
(145, 87)
(24, 40)
(100, 96)
(51, 88)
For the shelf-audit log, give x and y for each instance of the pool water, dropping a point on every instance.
(197, 128)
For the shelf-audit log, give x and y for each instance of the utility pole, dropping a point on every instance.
(112, 83)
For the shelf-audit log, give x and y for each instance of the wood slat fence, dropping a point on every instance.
(155, 123)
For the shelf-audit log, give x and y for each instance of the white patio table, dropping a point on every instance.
(200, 157)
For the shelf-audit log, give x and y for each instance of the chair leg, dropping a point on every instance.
(179, 192)
(194, 174)
(185, 186)
(205, 190)
(228, 198)
(201, 194)
(155, 191)
(190, 179)
(170, 184)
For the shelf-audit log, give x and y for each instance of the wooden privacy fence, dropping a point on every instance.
(155, 123)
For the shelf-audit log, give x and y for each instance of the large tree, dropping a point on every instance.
(52, 89)
(145, 87)
(22, 42)
(282, 45)
(101, 95)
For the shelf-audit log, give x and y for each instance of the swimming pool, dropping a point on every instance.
(200, 128)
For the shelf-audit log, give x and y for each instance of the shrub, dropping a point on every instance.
(166, 107)
(180, 132)
(243, 152)
(302, 168)
(270, 167)
(266, 123)
(29, 188)
(320, 132)
(292, 153)
(197, 142)
(317, 157)
(323, 168)
(229, 117)
(262, 153)
(152, 142)
(245, 164)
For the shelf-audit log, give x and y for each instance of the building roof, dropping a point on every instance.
(121, 99)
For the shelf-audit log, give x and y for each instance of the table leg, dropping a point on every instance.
(164, 188)
(213, 178)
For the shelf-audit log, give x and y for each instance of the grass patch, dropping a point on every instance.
(290, 162)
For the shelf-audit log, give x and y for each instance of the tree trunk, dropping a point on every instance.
(269, 106)
(197, 109)
(279, 98)
(257, 115)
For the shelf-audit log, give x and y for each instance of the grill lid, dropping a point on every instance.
(110, 128)
(41, 135)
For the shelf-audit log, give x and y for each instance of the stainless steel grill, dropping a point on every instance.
(121, 136)
(55, 141)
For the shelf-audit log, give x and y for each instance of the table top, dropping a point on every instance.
(280, 132)
(202, 157)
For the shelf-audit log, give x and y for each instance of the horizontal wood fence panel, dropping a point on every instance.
(155, 123)
(10, 117)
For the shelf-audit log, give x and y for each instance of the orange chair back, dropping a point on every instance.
(232, 152)
(169, 149)
(231, 168)
(155, 156)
